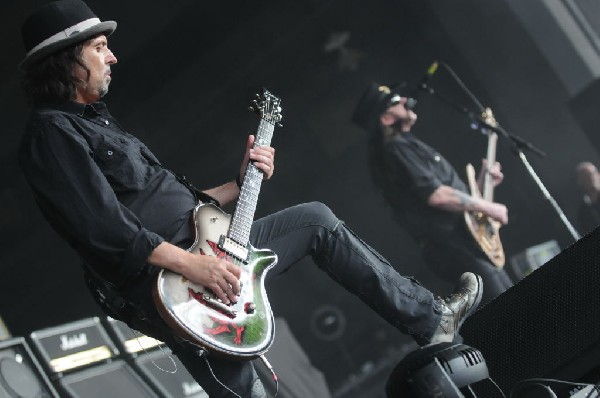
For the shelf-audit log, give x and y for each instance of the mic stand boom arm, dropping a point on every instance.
(518, 144)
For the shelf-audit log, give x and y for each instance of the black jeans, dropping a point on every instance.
(309, 229)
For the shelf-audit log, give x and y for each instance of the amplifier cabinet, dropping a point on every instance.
(128, 340)
(115, 379)
(156, 367)
(73, 345)
(21, 375)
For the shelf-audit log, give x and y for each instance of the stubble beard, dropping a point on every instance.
(103, 90)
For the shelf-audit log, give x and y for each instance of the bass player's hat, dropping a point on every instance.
(58, 25)
(375, 100)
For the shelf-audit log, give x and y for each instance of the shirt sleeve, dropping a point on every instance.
(78, 200)
(418, 168)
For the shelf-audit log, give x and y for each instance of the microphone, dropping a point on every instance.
(411, 102)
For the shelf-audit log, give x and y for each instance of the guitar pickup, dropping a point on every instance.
(233, 248)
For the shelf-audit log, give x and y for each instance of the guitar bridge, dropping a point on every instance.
(233, 248)
(218, 305)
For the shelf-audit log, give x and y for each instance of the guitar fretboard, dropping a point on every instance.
(241, 222)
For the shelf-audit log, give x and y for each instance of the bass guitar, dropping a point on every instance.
(484, 229)
(242, 330)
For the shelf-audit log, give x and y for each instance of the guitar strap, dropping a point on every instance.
(108, 298)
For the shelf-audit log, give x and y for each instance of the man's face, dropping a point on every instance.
(97, 57)
(399, 117)
(588, 178)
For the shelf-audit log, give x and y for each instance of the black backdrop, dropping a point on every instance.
(186, 72)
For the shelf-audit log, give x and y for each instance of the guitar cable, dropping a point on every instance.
(203, 353)
(152, 359)
(264, 360)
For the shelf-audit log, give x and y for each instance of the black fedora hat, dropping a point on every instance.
(57, 25)
(375, 100)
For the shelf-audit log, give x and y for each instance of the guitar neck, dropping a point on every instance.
(241, 221)
(488, 183)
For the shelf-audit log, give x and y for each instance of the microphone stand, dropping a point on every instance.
(518, 145)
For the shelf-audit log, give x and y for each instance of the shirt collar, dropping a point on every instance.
(77, 108)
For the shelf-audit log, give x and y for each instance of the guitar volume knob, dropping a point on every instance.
(249, 308)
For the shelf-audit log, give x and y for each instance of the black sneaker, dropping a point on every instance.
(458, 307)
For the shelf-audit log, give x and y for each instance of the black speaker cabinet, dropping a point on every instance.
(548, 324)
(115, 379)
(157, 368)
(154, 362)
(21, 375)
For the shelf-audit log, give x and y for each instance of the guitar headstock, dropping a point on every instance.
(267, 106)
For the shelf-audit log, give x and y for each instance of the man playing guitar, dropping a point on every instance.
(128, 218)
(425, 192)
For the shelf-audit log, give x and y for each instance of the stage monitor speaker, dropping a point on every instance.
(548, 324)
(114, 379)
(527, 261)
(21, 375)
(156, 368)
(298, 378)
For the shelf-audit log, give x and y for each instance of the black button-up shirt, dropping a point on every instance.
(101, 188)
(414, 171)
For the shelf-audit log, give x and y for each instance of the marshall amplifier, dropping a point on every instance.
(128, 340)
(73, 345)
(157, 368)
(116, 379)
(21, 375)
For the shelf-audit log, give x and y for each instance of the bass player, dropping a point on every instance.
(426, 194)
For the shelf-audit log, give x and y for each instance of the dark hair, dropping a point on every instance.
(51, 79)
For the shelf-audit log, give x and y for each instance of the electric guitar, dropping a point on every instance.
(243, 330)
(484, 229)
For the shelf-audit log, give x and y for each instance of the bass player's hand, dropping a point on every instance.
(497, 211)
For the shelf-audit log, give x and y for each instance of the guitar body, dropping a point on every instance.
(244, 330)
(484, 230)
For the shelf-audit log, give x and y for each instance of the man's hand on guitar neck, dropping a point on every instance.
(450, 199)
(217, 274)
(263, 158)
(495, 172)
